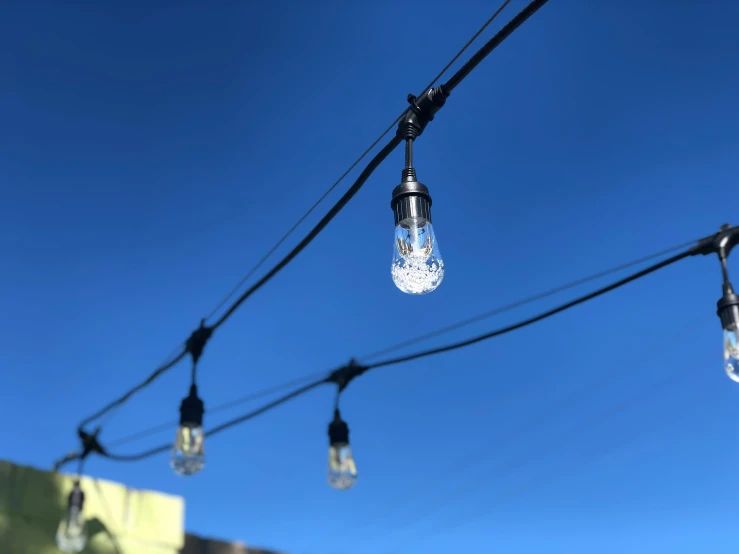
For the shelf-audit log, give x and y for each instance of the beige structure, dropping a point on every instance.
(120, 520)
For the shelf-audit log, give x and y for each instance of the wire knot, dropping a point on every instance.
(197, 341)
(344, 375)
(422, 111)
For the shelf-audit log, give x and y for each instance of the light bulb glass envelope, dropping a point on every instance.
(731, 351)
(188, 452)
(342, 471)
(417, 266)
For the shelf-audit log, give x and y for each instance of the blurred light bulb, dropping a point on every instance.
(342, 471)
(188, 452)
(417, 266)
(731, 352)
(71, 535)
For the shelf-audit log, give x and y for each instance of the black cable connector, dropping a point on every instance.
(720, 243)
(421, 113)
(197, 341)
(346, 374)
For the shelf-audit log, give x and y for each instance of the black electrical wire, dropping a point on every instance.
(220, 408)
(373, 164)
(259, 264)
(492, 44)
(525, 301)
(431, 352)
(535, 319)
(465, 463)
(433, 334)
(220, 428)
(173, 360)
(455, 80)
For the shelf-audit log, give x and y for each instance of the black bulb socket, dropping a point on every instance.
(192, 409)
(411, 198)
(728, 308)
(76, 498)
(338, 431)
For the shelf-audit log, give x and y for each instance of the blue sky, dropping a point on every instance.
(150, 156)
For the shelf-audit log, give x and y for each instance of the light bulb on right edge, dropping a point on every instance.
(71, 535)
(188, 452)
(342, 471)
(417, 267)
(728, 311)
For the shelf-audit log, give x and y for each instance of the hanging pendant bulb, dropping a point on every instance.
(71, 534)
(342, 471)
(417, 267)
(188, 452)
(728, 311)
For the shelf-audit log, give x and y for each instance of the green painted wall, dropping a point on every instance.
(120, 520)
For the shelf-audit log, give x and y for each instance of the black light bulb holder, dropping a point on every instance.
(338, 431)
(76, 499)
(727, 308)
(192, 409)
(411, 199)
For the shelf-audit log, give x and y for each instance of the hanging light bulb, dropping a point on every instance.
(342, 471)
(417, 267)
(71, 535)
(728, 311)
(188, 453)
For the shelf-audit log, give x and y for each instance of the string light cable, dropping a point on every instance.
(166, 426)
(720, 243)
(468, 464)
(422, 112)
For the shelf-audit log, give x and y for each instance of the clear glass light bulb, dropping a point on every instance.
(417, 266)
(188, 453)
(71, 536)
(731, 352)
(342, 471)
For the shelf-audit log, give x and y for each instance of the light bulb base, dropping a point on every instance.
(338, 431)
(192, 409)
(727, 308)
(411, 198)
(76, 498)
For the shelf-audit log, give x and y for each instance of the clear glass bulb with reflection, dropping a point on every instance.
(731, 351)
(188, 452)
(71, 535)
(342, 470)
(417, 267)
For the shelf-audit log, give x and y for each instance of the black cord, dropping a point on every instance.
(493, 43)
(454, 346)
(480, 317)
(333, 212)
(374, 163)
(122, 399)
(220, 408)
(525, 301)
(292, 229)
(220, 428)
(535, 319)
